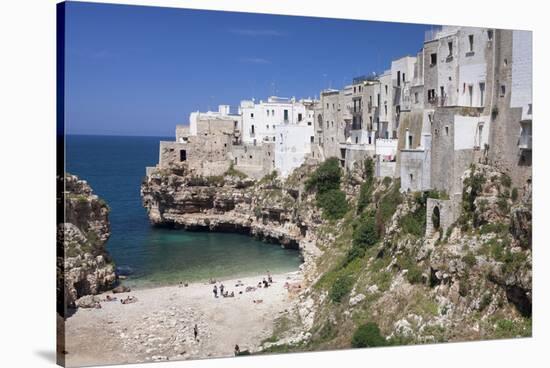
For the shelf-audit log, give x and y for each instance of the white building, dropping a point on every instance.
(260, 119)
(293, 142)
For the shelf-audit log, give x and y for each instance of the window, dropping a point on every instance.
(490, 34)
(450, 44)
(286, 115)
(311, 139)
(235, 124)
(327, 124)
(356, 140)
(502, 90)
(471, 41)
(403, 77)
(183, 155)
(386, 86)
(431, 94)
(332, 124)
(309, 123)
(370, 139)
(273, 141)
(446, 130)
(410, 141)
(433, 59)
(267, 112)
(471, 94)
(327, 105)
(267, 126)
(300, 117)
(252, 129)
(398, 78)
(252, 115)
(481, 93)
(385, 109)
(272, 112)
(416, 97)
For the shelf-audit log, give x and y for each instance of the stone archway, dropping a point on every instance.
(436, 219)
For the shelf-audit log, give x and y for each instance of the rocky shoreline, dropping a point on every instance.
(84, 266)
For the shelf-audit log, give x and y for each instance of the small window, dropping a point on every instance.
(309, 123)
(267, 112)
(386, 86)
(252, 115)
(446, 130)
(416, 97)
(183, 155)
(433, 59)
(311, 139)
(327, 106)
(450, 44)
(403, 77)
(356, 140)
(471, 41)
(299, 117)
(502, 90)
(411, 177)
(267, 126)
(490, 34)
(354, 89)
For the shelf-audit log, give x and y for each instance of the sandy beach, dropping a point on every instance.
(159, 326)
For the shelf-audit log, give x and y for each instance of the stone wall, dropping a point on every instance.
(440, 210)
(254, 161)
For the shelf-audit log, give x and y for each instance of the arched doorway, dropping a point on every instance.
(436, 221)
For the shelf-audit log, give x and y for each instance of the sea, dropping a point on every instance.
(114, 166)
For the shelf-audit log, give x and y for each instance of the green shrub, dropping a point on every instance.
(333, 203)
(514, 194)
(387, 206)
(341, 287)
(234, 172)
(364, 236)
(495, 227)
(365, 194)
(326, 177)
(469, 259)
(369, 169)
(506, 180)
(414, 274)
(367, 335)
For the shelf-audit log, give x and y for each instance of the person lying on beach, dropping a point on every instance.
(232, 295)
(257, 301)
(265, 283)
(226, 294)
(128, 300)
(110, 298)
(260, 284)
(250, 288)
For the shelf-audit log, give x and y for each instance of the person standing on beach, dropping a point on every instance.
(196, 331)
(215, 291)
(221, 289)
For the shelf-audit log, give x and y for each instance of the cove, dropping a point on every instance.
(114, 167)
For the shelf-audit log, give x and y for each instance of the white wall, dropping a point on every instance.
(466, 132)
(292, 144)
(265, 116)
(222, 113)
(522, 72)
(472, 75)
(386, 147)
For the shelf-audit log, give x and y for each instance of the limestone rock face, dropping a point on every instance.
(267, 210)
(86, 268)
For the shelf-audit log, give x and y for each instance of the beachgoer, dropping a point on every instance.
(237, 350)
(196, 331)
(260, 284)
(265, 283)
(215, 291)
(221, 289)
(232, 295)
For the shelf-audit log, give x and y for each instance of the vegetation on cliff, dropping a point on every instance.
(381, 281)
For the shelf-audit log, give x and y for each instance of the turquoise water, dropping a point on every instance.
(114, 166)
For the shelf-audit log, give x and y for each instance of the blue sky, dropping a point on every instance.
(133, 70)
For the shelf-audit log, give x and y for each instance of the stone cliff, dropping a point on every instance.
(367, 258)
(268, 209)
(86, 267)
